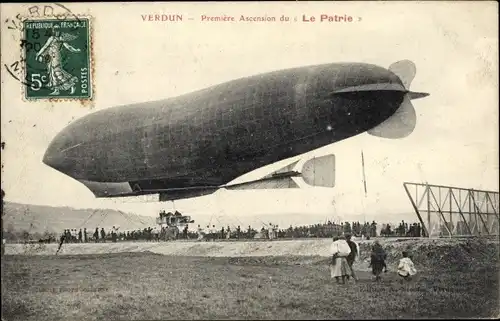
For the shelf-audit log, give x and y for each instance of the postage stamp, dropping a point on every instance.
(58, 58)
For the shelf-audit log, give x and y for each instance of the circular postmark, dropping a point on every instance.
(48, 35)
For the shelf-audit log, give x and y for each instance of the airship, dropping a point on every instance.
(197, 143)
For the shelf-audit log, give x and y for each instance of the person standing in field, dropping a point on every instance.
(355, 240)
(200, 233)
(215, 235)
(339, 268)
(270, 233)
(62, 239)
(103, 235)
(378, 257)
(352, 256)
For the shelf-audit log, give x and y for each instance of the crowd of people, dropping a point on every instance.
(100, 235)
(403, 229)
(323, 230)
(229, 232)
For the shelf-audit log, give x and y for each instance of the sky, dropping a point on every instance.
(453, 44)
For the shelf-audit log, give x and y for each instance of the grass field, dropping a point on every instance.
(136, 286)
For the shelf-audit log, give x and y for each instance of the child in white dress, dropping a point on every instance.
(406, 268)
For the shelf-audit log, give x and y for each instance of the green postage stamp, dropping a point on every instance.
(58, 59)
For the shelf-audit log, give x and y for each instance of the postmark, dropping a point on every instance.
(57, 58)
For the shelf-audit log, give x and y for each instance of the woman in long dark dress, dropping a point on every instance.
(378, 257)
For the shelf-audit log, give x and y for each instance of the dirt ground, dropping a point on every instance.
(137, 286)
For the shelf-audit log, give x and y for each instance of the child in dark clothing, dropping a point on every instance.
(377, 263)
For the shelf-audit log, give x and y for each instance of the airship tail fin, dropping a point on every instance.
(316, 171)
(319, 171)
(416, 95)
(401, 124)
(405, 70)
(403, 121)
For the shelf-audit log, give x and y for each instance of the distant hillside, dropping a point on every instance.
(40, 219)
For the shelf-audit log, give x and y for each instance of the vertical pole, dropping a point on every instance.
(460, 207)
(439, 206)
(470, 210)
(451, 218)
(416, 194)
(488, 214)
(476, 211)
(429, 229)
